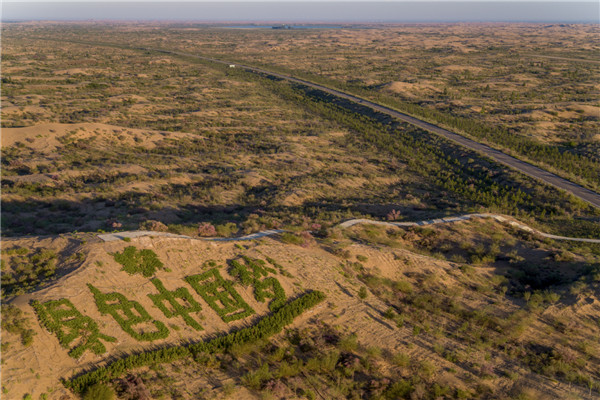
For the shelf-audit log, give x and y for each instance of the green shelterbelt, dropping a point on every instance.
(265, 328)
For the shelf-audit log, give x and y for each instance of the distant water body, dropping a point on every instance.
(309, 12)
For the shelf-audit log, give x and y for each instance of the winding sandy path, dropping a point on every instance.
(109, 237)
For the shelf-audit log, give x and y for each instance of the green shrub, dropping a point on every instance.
(325, 363)
(290, 238)
(390, 313)
(374, 351)
(401, 360)
(227, 230)
(22, 251)
(399, 390)
(287, 370)
(440, 391)
(348, 343)
(255, 379)
(99, 391)
(427, 369)
(403, 286)
(362, 292)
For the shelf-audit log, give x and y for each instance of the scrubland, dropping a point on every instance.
(469, 310)
(117, 136)
(102, 132)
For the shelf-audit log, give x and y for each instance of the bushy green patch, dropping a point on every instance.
(399, 390)
(291, 238)
(70, 326)
(362, 292)
(23, 269)
(128, 313)
(255, 379)
(226, 230)
(14, 321)
(99, 391)
(136, 261)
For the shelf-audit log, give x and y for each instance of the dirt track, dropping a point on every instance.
(109, 237)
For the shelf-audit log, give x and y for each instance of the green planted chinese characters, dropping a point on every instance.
(176, 303)
(254, 272)
(265, 328)
(129, 314)
(135, 261)
(70, 326)
(220, 295)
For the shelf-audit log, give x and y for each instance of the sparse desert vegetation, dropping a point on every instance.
(399, 316)
(99, 135)
(250, 153)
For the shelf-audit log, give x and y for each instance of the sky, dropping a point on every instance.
(337, 11)
(287, 1)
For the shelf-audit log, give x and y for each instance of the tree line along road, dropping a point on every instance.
(526, 168)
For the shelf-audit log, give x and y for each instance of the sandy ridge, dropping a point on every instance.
(109, 237)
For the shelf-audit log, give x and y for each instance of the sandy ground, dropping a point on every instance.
(45, 137)
(311, 268)
(38, 369)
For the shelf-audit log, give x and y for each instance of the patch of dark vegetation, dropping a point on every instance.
(24, 269)
(144, 262)
(13, 321)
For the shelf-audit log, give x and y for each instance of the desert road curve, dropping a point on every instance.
(526, 168)
(111, 237)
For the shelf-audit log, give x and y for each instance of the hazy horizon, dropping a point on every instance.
(307, 12)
